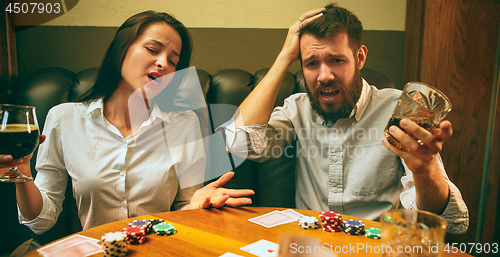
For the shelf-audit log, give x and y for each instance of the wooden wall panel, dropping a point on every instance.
(8, 61)
(456, 53)
(492, 212)
(414, 27)
(3, 53)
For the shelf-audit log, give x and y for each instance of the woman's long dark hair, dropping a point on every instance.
(110, 72)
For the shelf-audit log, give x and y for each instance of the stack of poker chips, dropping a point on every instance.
(331, 221)
(164, 229)
(146, 224)
(354, 227)
(373, 233)
(309, 222)
(153, 223)
(114, 244)
(135, 234)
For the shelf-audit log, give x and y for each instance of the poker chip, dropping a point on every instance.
(308, 222)
(373, 233)
(331, 221)
(114, 244)
(146, 224)
(354, 227)
(387, 218)
(154, 222)
(164, 229)
(135, 235)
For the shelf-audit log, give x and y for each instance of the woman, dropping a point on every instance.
(118, 168)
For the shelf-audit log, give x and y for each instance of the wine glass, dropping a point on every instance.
(18, 137)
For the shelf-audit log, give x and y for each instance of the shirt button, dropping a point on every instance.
(335, 190)
(338, 130)
(335, 159)
(122, 173)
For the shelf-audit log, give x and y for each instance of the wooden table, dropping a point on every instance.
(213, 232)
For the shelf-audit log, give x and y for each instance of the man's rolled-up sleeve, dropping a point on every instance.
(456, 212)
(245, 141)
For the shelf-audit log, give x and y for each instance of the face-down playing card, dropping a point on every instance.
(272, 219)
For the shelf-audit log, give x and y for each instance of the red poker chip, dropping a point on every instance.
(332, 221)
(329, 229)
(135, 234)
(330, 216)
(134, 230)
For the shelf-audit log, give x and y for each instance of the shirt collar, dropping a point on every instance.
(155, 113)
(363, 101)
(95, 105)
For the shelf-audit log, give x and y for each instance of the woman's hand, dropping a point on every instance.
(213, 195)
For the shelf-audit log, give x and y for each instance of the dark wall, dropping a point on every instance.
(78, 48)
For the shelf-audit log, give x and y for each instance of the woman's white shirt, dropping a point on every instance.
(113, 177)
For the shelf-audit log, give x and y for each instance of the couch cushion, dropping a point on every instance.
(276, 177)
(228, 89)
(287, 88)
(84, 81)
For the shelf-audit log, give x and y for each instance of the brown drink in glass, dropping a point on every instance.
(422, 104)
(18, 137)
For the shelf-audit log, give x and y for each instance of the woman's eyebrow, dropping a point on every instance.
(161, 44)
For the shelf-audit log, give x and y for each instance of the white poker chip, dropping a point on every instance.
(308, 219)
(308, 222)
(114, 244)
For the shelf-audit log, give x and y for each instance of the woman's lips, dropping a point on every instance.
(154, 78)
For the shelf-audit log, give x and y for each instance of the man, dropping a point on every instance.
(344, 163)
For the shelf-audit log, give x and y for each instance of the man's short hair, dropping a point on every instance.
(336, 20)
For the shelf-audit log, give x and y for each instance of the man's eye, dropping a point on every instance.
(337, 60)
(311, 64)
(173, 63)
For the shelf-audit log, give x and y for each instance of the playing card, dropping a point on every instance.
(272, 219)
(228, 254)
(292, 213)
(72, 240)
(262, 248)
(85, 248)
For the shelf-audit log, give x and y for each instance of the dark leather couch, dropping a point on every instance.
(273, 180)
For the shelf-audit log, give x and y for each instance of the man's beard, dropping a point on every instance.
(352, 94)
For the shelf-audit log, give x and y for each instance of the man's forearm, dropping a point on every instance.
(258, 106)
(432, 190)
